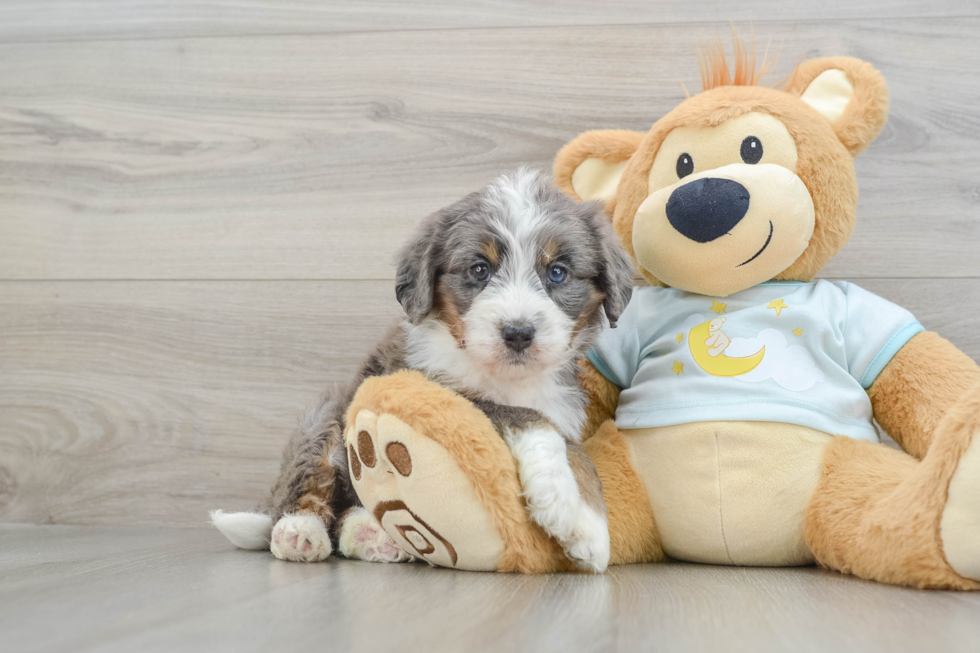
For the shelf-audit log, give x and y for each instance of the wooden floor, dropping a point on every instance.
(199, 206)
(71, 588)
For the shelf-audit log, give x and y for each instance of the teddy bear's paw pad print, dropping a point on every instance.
(417, 491)
(363, 538)
(302, 538)
(415, 534)
(960, 523)
(398, 456)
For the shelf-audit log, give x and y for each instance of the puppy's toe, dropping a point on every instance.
(362, 538)
(588, 544)
(302, 538)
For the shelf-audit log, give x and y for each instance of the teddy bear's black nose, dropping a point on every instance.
(707, 208)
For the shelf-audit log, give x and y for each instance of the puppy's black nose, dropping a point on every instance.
(518, 337)
(708, 208)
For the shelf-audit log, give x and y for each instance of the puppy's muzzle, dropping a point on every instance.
(706, 209)
(517, 337)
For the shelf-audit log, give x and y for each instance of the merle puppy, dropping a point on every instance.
(503, 293)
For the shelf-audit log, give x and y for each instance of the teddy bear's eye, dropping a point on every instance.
(751, 150)
(685, 165)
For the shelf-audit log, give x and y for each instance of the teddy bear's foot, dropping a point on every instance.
(880, 514)
(554, 501)
(302, 538)
(400, 476)
(960, 523)
(429, 466)
(362, 538)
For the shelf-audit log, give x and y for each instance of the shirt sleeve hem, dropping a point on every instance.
(888, 352)
(604, 370)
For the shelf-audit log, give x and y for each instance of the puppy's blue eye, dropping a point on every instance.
(557, 274)
(480, 271)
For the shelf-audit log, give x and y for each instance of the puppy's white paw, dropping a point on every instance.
(554, 501)
(302, 538)
(588, 544)
(582, 533)
(362, 538)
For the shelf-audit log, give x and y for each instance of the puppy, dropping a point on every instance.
(503, 293)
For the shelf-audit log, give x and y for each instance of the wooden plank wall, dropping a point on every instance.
(199, 202)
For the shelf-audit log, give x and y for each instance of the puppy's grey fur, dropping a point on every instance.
(521, 228)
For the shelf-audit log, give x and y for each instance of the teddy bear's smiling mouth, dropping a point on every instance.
(756, 255)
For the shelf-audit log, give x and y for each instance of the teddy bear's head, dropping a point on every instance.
(715, 324)
(741, 183)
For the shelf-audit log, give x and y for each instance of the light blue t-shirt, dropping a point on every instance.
(801, 353)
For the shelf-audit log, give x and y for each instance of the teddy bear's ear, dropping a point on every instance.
(849, 93)
(590, 167)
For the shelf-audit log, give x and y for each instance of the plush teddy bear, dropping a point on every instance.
(752, 446)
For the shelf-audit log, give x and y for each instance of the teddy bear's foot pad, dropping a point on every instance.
(960, 525)
(301, 538)
(362, 538)
(416, 490)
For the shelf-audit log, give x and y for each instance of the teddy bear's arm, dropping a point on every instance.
(924, 379)
(603, 397)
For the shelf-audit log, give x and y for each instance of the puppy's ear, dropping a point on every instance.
(417, 266)
(616, 275)
(419, 260)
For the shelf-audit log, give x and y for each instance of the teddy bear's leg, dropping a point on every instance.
(879, 514)
(432, 470)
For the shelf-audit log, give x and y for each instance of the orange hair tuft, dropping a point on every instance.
(714, 66)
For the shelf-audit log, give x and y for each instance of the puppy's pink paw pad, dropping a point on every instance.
(362, 538)
(365, 533)
(302, 538)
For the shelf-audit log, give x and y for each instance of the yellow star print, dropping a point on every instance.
(797, 331)
(678, 368)
(717, 307)
(679, 338)
(778, 305)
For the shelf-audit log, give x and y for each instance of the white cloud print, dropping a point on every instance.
(792, 367)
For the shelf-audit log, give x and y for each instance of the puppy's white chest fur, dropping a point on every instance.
(431, 347)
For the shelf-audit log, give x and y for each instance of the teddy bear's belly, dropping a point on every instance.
(730, 492)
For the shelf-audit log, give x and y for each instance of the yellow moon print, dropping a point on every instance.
(720, 365)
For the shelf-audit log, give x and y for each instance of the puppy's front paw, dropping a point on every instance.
(554, 501)
(302, 538)
(362, 538)
(582, 533)
(588, 544)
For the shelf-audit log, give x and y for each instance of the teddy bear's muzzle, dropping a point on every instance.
(723, 230)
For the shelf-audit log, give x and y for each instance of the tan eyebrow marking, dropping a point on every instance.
(490, 250)
(549, 252)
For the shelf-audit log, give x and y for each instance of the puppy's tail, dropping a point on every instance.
(246, 530)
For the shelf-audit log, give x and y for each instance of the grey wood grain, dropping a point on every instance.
(20, 20)
(152, 402)
(156, 401)
(117, 589)
(311, 157)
